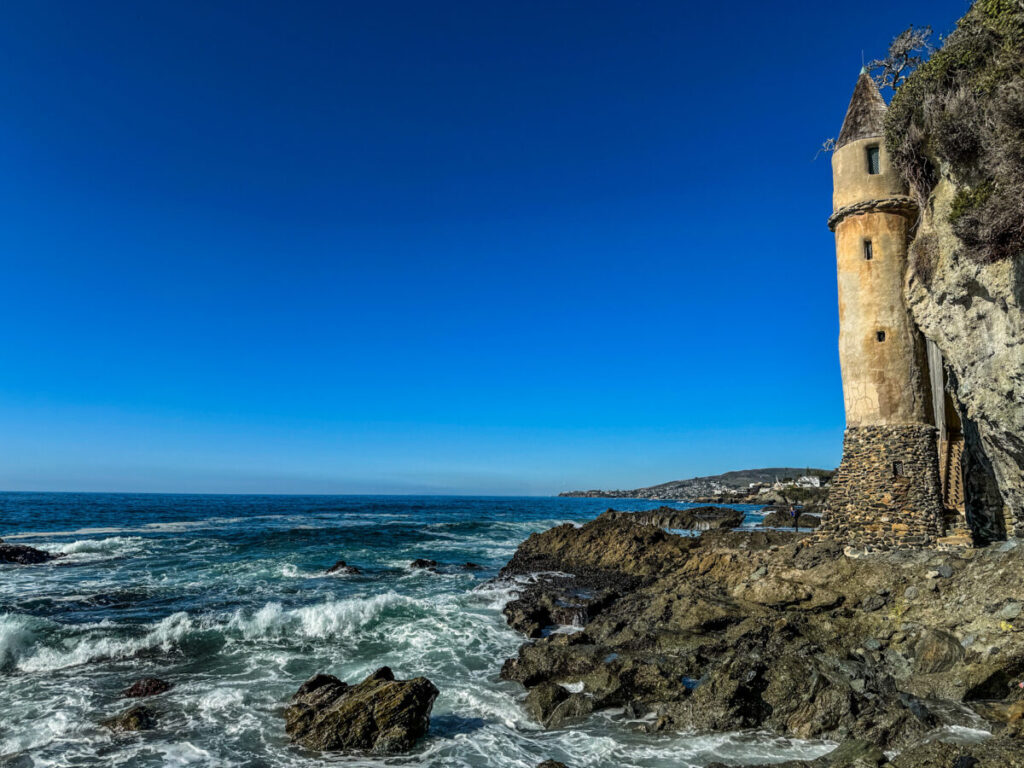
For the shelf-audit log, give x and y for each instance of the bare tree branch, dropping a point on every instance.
(906, 52)
(829, 145)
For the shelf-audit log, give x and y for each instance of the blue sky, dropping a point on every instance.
(470, 247)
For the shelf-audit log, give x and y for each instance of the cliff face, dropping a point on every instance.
(956, 132)
(975, 314)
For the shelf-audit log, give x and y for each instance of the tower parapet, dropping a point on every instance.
(886, 492)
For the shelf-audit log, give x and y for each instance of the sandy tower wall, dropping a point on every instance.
(886, 493)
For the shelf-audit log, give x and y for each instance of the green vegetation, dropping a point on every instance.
(968, 200)
(963, 110)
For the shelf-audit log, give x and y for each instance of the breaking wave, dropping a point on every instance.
(336, 618)
(110, 546)
(97, 643)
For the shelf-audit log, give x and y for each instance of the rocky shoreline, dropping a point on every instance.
(773, 630)
(895, 656)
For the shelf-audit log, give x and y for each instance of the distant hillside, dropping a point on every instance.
(712, 485)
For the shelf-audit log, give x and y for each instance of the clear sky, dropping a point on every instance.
(473, 247)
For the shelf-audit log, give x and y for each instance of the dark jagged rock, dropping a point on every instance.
(614, 548)
(606, 558)
(856, 753)
(422, 562)
(471, 567)
(554, 706)
(342, 567)
(697, 519)
(782, 519)
(763, 629)
(992, 753)
(551, 764)
(380, 715)
(20, 554)
(137, 718)
(147, 686)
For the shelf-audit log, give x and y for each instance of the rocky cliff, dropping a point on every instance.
(955, 130)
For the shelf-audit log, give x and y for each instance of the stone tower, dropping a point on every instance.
(887, 492)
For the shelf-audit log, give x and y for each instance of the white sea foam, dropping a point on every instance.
(566, 629)
(98, 644)
(170, 527)
(113, 546)
(335, 618)
(186, 753)
(17, 636)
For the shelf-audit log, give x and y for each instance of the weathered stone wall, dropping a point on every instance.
(851, 182)
(883, 376)
(886, 492)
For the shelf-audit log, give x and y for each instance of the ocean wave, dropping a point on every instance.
(77, 649)
(18, 634)
(179, 526)
(110, 546)
(335, 618)
(24, 643)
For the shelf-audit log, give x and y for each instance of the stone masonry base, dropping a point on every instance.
(887, 493)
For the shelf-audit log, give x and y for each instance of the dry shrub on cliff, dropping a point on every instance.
(924, 255)
(965, 108)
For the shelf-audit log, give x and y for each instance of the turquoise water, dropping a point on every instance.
(227, 597)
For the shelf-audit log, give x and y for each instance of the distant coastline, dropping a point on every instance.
(769, 485)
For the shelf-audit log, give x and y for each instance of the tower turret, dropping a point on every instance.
(887, 491)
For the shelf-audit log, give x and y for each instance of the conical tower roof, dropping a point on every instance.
(865, 116)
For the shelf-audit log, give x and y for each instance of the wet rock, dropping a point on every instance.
(991, 753)
(557, 601)
(19, 554)
(857, 753)
(380, 715)
(697, 518)
(342, 567)
(769, 630)
(542, 699)
(147, 686)
(422, 562)
(782, 519)
(551, 764)
(612, 549)
(471, 567)
(554, 707)
(937, 651)
(137, 718)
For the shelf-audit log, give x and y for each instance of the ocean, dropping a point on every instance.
(227, 598)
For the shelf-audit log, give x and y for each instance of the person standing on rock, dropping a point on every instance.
(796, 517)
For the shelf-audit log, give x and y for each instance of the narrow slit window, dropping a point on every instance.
(897, 469)
(873, 160)
(880, 335)
(869, 253)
